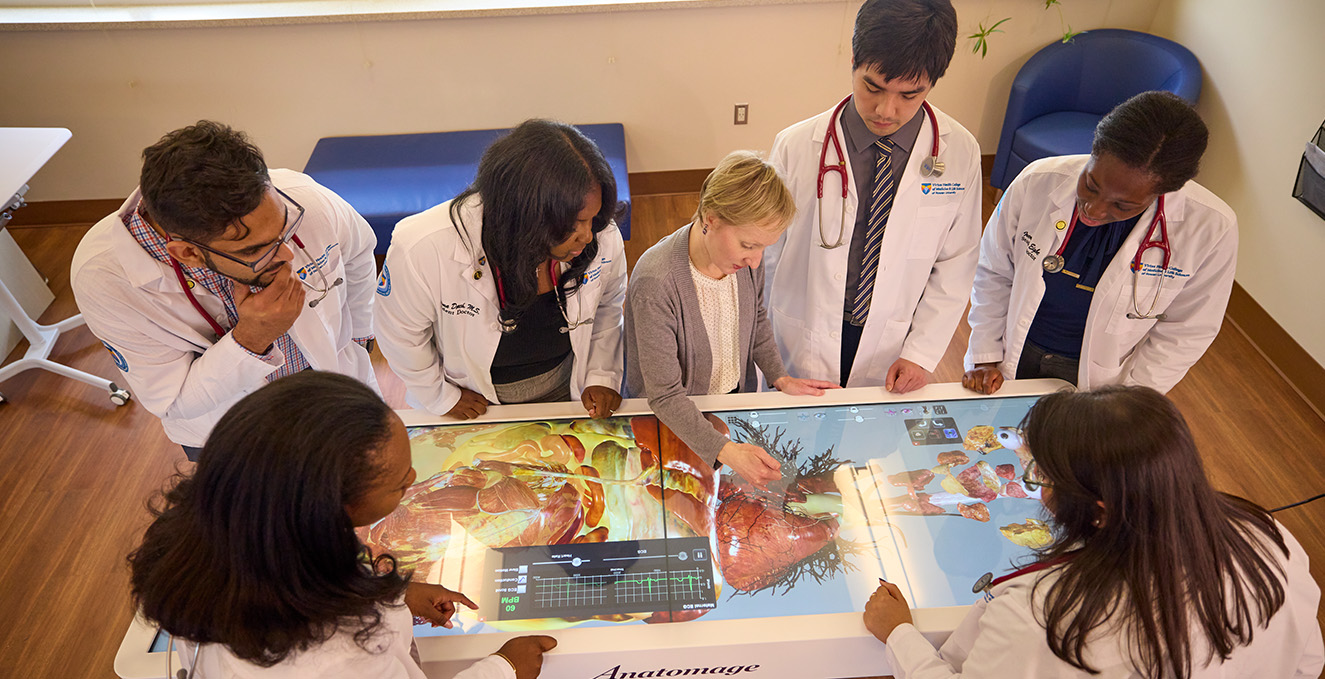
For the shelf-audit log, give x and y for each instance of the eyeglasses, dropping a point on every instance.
(263, 260)
(1033, 479)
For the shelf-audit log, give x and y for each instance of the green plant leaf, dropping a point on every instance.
(1050, 3)
(981, 37)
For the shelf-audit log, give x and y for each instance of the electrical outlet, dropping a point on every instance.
(741, 115)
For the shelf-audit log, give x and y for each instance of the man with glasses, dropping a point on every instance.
(217, 276)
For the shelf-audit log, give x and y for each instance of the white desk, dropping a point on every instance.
(25, 150)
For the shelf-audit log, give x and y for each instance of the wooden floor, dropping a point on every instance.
(75, 471)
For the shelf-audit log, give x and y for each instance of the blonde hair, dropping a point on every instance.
(745, 189)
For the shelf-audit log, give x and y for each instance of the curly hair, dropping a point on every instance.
(254, 550)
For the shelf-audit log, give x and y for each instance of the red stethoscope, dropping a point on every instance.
(1055, 262)
(930, 167)
(508, 325)
(988, 582)
(186, 285)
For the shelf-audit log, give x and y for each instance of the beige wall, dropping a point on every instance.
(671, 76)
(1263, 100)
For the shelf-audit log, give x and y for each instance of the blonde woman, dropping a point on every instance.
(695, 318)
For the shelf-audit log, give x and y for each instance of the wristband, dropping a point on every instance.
(499, 654)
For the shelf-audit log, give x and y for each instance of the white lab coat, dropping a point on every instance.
(387, 656)
(926, 264)
(1002, 639)
(1115, 349)
(438, 326)
(169, 354)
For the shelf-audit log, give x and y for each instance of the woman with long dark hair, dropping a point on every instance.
(1152, 573)
(511, 292)
(253, 561)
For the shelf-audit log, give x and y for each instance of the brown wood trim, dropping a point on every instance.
(51, 212)
(1285, 355)
(987, 165)
(669, 181)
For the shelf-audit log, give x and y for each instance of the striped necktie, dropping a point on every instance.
(881, 204)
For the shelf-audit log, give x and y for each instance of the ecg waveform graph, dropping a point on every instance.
(621, 588)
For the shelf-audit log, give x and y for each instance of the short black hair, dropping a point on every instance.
(905, 39)
(532, 183)
(1157, 132)
(200, 180)
(254, 550)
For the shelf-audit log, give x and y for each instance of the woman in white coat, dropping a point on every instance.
(1112, 268)
(511, 292)
(253, 562)
(1152, 573)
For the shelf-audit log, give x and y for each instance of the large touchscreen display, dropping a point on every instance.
(567, 523)
(552, 524)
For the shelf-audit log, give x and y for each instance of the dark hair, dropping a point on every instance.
(905, 38)
(532, 183)
(200, 180)
(254, 550)
(1170, 554)
(1157, 132)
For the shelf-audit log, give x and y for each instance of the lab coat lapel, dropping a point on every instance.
(314, 335)
(465, 262)
(828, 265)
(1063, 201)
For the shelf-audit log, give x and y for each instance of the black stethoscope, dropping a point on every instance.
(930, 167)
(187, 285)
(1055, 262)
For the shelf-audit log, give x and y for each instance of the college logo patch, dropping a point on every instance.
(384, 282)
(925, 187)
(116, 356)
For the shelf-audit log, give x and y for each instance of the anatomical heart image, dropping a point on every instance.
(577, 522)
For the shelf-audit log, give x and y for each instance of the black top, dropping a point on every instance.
(536, 346)
(1060, 321)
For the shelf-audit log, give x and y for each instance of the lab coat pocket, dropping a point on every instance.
(1150, 298)
(796, 343)
(928, 232)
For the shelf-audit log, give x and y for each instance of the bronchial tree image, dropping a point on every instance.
(771, 541)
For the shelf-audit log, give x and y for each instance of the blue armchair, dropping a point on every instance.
(1061, 94)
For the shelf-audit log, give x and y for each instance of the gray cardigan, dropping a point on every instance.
(668, 355)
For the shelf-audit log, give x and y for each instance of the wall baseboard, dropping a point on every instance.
(52, 212)
(1297, 367)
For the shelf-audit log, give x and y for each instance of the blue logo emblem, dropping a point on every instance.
(925, 187)
(116, 356)
(384, 282)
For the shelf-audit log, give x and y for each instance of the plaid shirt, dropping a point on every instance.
(218, 285)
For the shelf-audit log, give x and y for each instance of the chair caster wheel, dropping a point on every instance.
(118, 396)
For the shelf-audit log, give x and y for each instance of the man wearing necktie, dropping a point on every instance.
(908, 242)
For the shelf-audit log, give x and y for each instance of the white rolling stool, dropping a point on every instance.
(23, 151)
